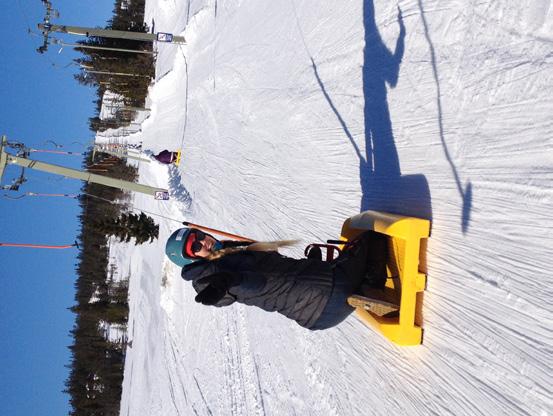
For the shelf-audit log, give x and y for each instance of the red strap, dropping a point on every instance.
(188, 247)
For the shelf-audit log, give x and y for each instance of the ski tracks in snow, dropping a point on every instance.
(240, 367)
(275, 151)
(238, 389)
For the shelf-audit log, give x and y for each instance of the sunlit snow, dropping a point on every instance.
(294, 115)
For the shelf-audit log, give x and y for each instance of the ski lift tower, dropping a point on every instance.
(24, 162)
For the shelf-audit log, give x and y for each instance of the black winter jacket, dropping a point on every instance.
(298, 289)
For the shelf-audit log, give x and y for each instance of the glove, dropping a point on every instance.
(216, 289)
(210, 295)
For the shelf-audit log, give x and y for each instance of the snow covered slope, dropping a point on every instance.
(293, 115)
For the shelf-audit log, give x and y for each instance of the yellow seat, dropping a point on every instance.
(406, 271)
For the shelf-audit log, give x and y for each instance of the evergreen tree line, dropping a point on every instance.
(127, 16)
(96, 366)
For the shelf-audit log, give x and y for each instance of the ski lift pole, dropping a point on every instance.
(103, 48)
(74, 196)
(46, 28)
(122, 154)
(6, 158)
(158, 193)
(58, 152)
(219, 232)
(39, 245)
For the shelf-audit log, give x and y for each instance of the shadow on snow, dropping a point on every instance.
(466, 194)
(177, 190)
(383, 186)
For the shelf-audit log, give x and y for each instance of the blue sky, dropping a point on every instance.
(40, 101)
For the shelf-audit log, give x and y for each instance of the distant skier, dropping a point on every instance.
(311, 292)
(166, 157)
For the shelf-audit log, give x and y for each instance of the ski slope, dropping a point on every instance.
(294, 115)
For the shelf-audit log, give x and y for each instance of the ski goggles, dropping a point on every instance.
(193, 243)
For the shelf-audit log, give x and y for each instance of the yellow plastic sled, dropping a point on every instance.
(177, 160)
(406, 268)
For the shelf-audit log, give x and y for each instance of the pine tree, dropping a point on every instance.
(128, 226)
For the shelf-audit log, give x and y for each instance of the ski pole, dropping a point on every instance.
(213, 230)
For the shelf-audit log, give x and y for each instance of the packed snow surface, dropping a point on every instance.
(294, 115)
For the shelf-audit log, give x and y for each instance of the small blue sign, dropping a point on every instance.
(161, 195)
(164, 37)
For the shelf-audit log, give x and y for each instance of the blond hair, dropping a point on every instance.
(257, 246)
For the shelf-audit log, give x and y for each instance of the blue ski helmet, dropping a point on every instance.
(175, 247)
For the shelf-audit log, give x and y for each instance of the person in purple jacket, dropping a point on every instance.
(166, 157)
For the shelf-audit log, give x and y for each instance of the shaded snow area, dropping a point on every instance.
(294, 115)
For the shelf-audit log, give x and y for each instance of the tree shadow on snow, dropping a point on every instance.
(177, 190)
